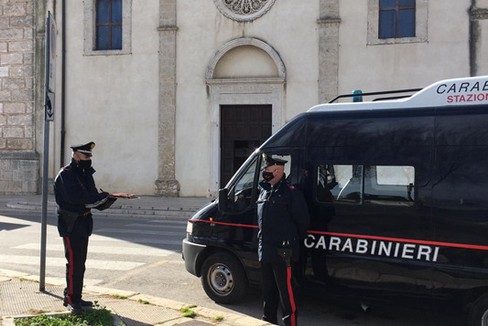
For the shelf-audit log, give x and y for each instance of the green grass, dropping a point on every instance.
(218, 319)
(187, 312)
(92, 317)
(119, 296)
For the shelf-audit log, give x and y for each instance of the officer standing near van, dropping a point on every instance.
(283, 220)
(76, 194)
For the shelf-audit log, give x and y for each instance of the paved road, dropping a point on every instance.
(117, 246)
(144, 255)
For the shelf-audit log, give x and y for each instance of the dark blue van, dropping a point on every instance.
(398, 197)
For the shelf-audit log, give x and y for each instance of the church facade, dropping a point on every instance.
(177, 93)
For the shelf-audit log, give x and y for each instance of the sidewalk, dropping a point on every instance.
(20, 295)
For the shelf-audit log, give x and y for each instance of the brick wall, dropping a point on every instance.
(19, 165)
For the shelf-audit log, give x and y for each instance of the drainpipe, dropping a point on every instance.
(63, 79)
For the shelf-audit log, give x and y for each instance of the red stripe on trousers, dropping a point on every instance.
(70, 268)
(292, 298)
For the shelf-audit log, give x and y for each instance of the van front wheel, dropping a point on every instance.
(223, 278)
(478, 312)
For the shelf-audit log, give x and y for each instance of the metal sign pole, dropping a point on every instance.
(48, 117)
(45, 171)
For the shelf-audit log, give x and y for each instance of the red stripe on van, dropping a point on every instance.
(417, 241)
(362, 236)
(251, 226)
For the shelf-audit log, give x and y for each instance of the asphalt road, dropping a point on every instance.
(144, 255)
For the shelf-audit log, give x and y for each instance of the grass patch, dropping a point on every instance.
(92, 317)
(188, 312)
(218, 319)
(119, 296)
(143, 301)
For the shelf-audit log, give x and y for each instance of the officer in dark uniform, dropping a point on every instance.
(76, 194)
(283, 220)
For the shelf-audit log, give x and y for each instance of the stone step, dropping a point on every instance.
(132, 210)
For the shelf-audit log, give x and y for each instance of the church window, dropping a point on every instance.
(396, 18)
(243, 10)
(397, 21)
(108, 25)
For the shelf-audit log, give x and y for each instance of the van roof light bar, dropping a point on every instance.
(399, 91)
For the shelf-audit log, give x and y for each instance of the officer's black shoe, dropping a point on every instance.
(273, 321)
(83, 303)
(75, 309)
(86, 304)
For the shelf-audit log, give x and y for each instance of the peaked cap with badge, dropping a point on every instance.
(85, 149)
(270, 161)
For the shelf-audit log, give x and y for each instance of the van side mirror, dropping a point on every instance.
(223, 200)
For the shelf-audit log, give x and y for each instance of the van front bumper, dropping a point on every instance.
(191, 254)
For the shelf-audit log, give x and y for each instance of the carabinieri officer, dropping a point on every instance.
(76, 194)
(283, 220)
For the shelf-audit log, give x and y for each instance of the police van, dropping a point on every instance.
(398, 198)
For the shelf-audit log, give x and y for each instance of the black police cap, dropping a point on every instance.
(85, 149)
(273, 160)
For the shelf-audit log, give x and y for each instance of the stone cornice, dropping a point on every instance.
(328, 20)
(249, 80)
(18, 155)
(479, 14)
(168, 28)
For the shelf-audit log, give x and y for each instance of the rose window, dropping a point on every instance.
(243, 10)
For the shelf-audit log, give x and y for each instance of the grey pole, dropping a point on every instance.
(48, 116)
(45, 172)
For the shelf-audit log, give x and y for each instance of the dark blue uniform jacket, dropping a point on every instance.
(74, 188)
(282, 216)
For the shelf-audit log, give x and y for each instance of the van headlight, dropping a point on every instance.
(189, 228)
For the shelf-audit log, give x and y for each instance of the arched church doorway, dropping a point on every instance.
(245, 82)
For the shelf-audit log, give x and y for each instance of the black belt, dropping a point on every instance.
(63, 211)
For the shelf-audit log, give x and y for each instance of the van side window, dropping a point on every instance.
(389, 185)
(339, 183)
(365, 184)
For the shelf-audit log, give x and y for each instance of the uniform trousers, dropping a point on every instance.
(75, 251)
(278, 290)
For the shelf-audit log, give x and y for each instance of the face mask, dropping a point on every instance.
(267, 176)
(85, 164)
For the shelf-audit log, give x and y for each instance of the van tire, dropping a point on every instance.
(478, 312)
(223, 278)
